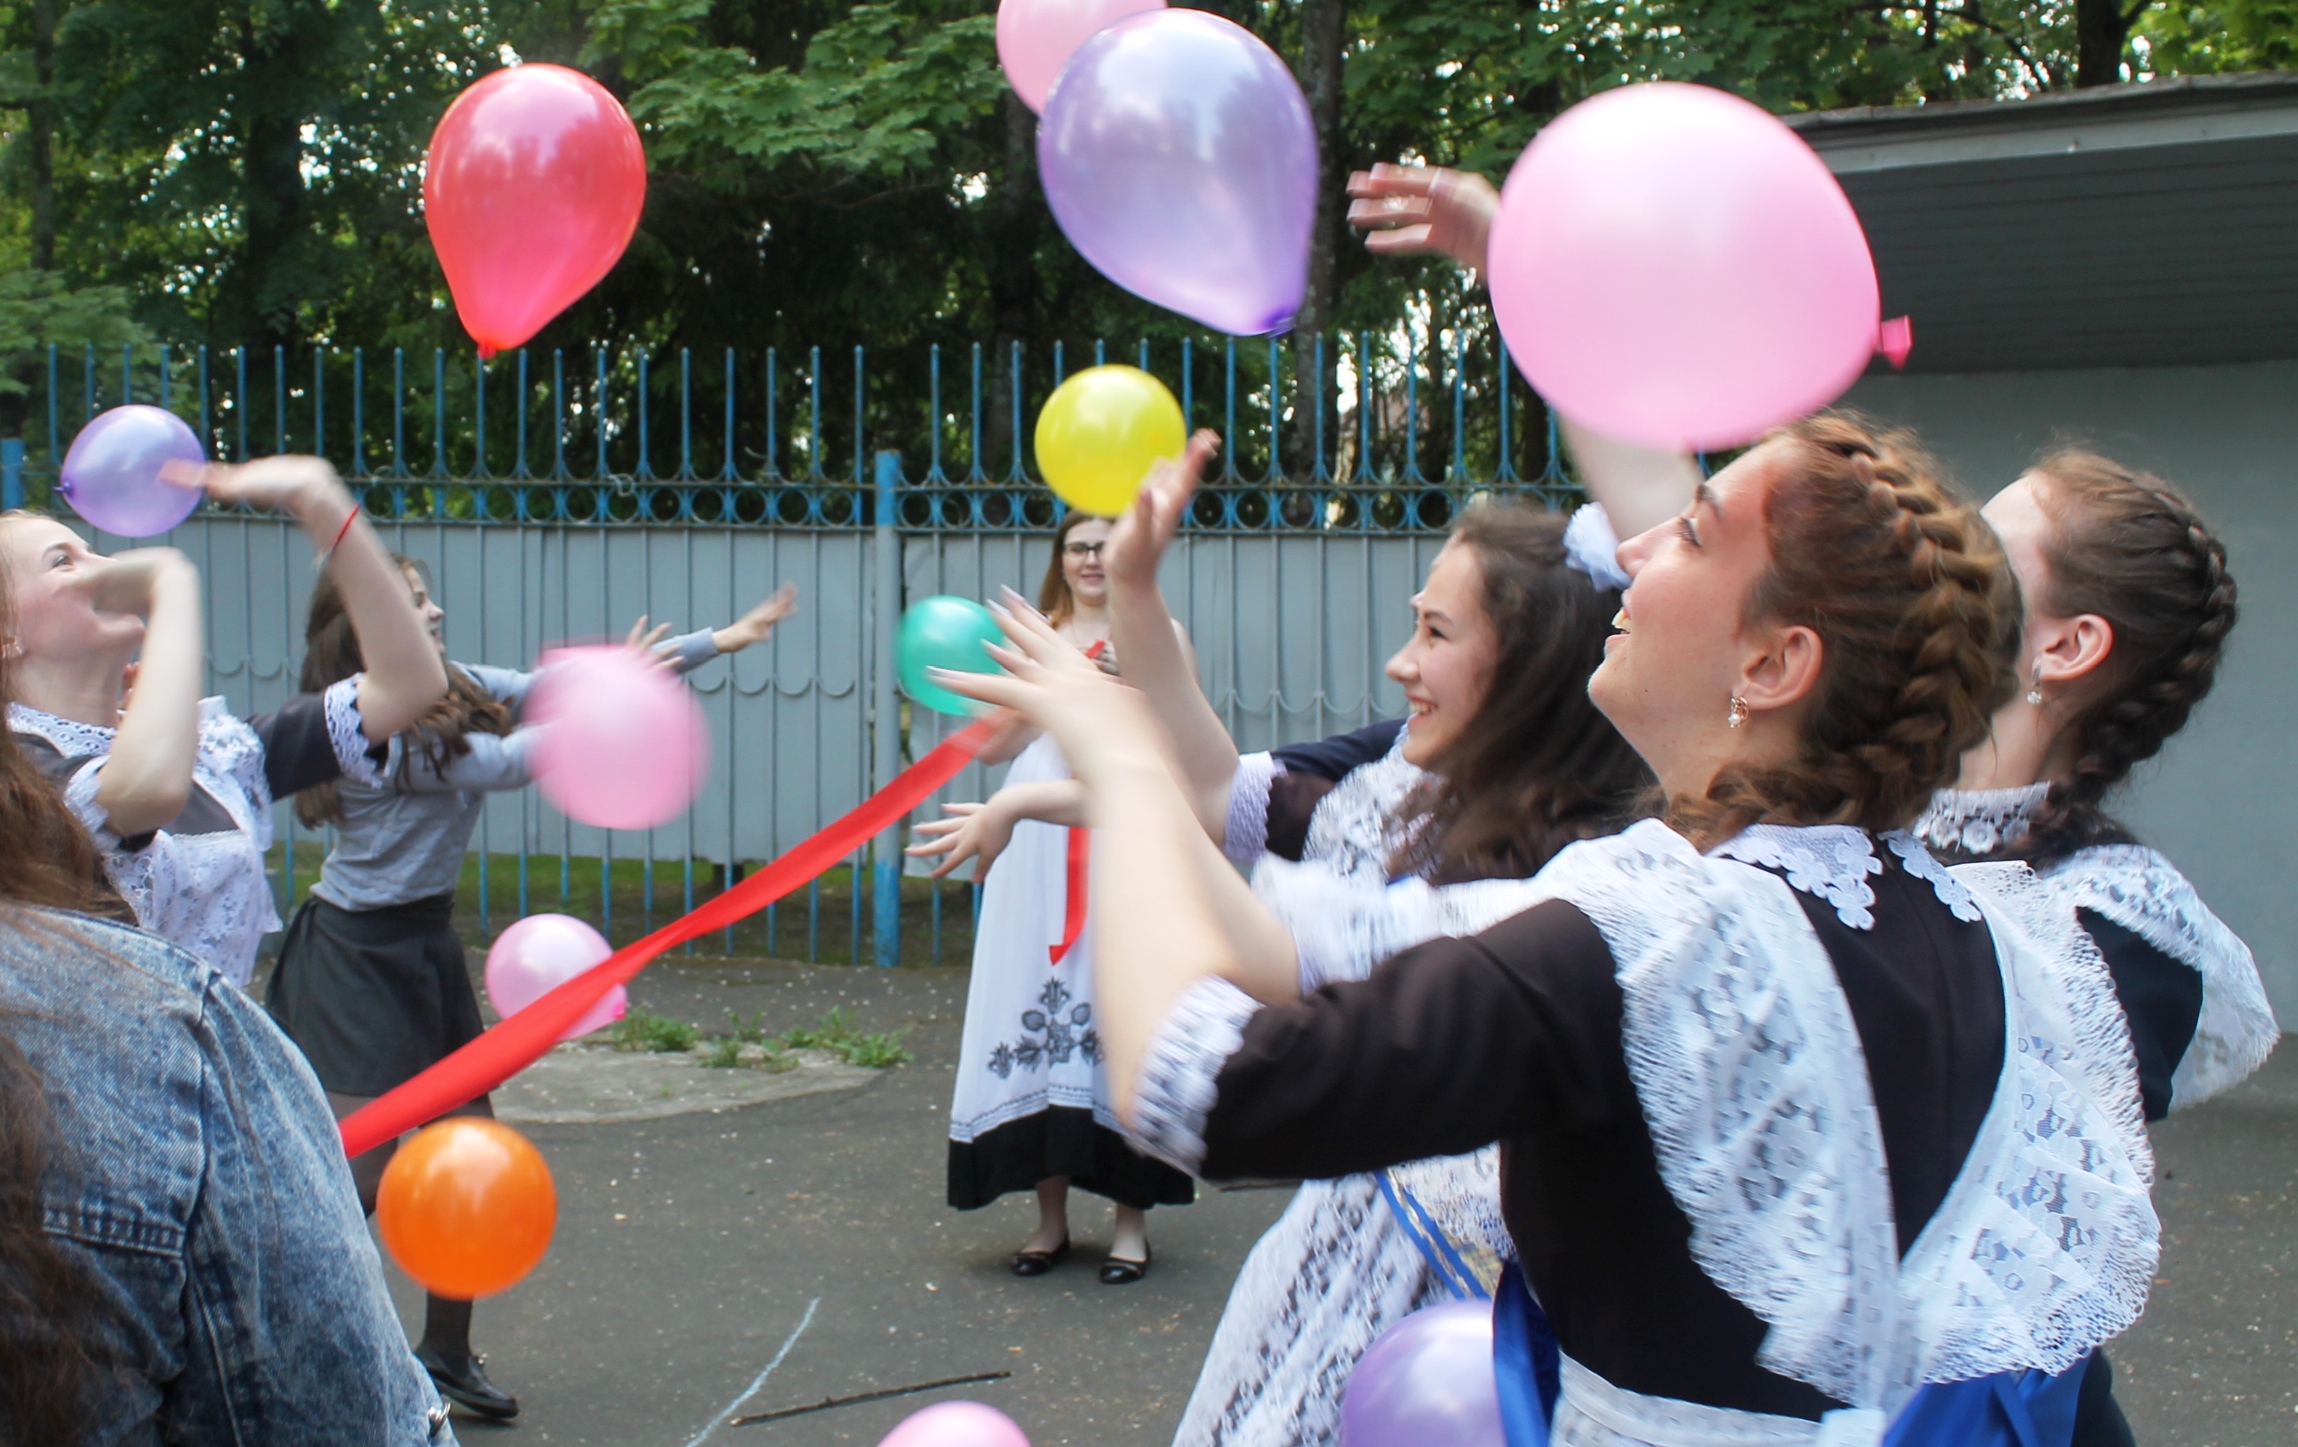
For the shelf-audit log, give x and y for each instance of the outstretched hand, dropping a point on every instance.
(1418, 210)
(1098, 721)
(757, 625)
(977, 831)
(1138, 541)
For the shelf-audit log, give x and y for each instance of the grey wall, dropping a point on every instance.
(2219, 800)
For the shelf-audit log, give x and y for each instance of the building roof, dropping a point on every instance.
(2153, 224)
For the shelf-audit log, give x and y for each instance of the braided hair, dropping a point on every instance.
(2130, 548)
(1913, 603)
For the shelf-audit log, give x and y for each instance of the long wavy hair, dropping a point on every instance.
(331, 654)
(52, 1368)
(1914, 605)
(1538, 767)
(2132, 549)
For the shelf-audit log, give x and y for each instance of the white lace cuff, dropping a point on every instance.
(1592, 546)
(1246, 835)
(1175, 1094)
(347, 733)
(80, 798)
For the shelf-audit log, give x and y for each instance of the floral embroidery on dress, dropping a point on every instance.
(1827, 861)
(1050, 1034)
(1976, 822)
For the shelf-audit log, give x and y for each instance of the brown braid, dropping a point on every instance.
(1912, 601)
(2130, 548)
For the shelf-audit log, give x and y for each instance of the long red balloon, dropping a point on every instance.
(523, 1039)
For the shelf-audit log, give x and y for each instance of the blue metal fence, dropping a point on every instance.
(911, 478)
(1409, 429)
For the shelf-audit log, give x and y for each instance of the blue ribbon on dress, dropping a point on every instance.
(2008, 1409)
(1526, 1361)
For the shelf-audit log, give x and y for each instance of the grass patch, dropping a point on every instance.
(640, 1030)
(836, 1034)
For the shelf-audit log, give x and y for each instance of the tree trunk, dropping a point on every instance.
(264, 294)
(2102, 36)
(1013, 236)
(40, 138)
(1324, 34)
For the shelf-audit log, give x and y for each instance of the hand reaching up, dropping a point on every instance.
(1138, 542)
(1417, 210)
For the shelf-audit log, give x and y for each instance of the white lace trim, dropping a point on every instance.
(1178, 1079)
(1245, 835)
(2047, 1242)
(1592, 546)
(1917, 861)
(2139, 889)
(1826, 861)
(347, 733)
(1980, 821)
(1355, 830)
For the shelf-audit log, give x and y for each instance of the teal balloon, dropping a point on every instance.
(945, 632)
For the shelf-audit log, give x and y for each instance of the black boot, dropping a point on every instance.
(460, 1373)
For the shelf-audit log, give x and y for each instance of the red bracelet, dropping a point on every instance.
(344, 531)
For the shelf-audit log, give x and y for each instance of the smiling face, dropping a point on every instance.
(1669, 674)
(55, 576)
(1446, 667)
(1081, 554)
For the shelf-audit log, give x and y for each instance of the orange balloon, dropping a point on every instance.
(467, 1207)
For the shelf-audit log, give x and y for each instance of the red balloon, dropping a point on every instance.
(531, 189)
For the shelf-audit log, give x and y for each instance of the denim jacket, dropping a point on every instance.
(198, 1179)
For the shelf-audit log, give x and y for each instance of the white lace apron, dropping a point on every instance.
(1755, 1090)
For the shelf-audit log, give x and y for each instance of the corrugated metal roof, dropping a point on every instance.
(2135, 225)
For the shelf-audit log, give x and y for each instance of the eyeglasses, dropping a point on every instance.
(1084, 550)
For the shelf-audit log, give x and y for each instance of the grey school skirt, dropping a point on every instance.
(374, 996)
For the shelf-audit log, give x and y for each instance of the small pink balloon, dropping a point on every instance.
(1674, 267)
(1035, 38)
(111, 473)
(542, 952)
(626, 746)
(956, 1424)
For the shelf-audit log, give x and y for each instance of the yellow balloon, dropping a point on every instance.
(1099, 433)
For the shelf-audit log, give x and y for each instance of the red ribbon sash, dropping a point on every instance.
(1073, 913)
(523, 1039)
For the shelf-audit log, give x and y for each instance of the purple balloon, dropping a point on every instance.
(1179, 159)
(111, 475)
(1428, 1379)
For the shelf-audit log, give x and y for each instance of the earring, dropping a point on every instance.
(1738, 714)
(2035, 687)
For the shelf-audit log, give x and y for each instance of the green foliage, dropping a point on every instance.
(642, 1031)
(38, 310)
(835, 1033)
(2234, 35)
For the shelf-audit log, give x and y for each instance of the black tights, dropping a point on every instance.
(446, 1321)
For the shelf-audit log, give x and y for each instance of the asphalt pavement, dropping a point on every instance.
(747, 1260)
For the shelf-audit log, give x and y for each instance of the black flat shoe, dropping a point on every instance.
(1117, 1271)
(1037, 1263)
(465, 1384)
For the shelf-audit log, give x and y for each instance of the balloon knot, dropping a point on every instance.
(487, 351)
(1895, 338)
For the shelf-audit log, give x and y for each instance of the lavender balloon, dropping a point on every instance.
(1178, 157)
(111, 475)
(1428, 1379)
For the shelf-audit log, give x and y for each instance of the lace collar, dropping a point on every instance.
(1979, 821)
(71, 737)
(1833, 862)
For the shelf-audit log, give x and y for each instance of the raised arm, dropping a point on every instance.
(146, 779)
(1435, 210)
(405, 674)
(1150, 651)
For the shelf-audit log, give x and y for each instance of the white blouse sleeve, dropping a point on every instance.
(1245, 837)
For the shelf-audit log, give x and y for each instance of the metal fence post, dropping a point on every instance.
(886, 866)
(11, 472)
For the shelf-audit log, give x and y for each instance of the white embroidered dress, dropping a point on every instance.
(1768, 1138)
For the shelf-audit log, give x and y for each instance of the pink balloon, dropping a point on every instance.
(542, 952)
(626, 746)
(956, 1424)
(1673, 267)
(1035, 38)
